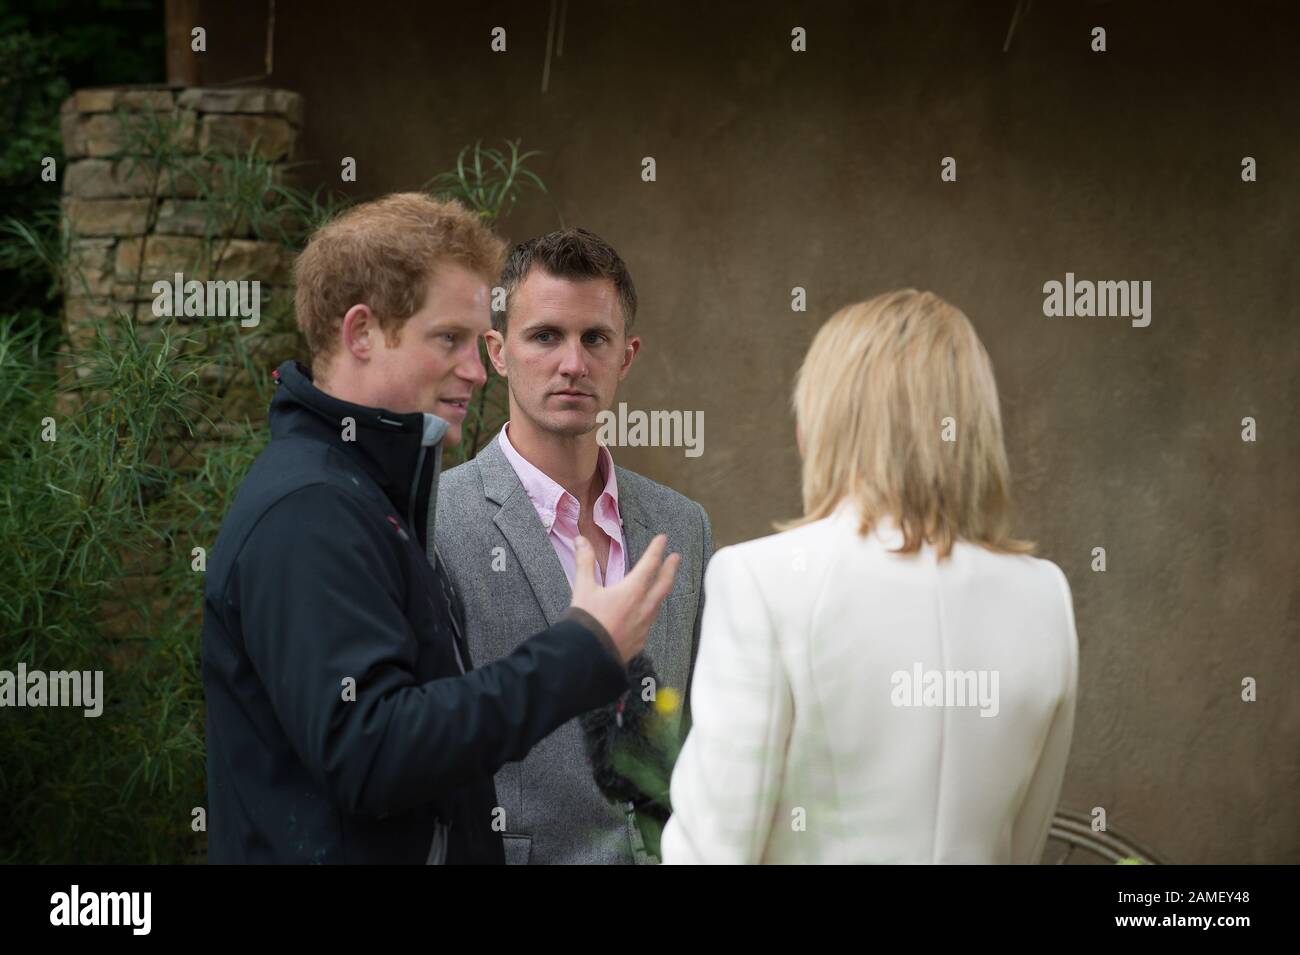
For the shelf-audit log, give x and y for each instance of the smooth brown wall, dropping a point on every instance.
(821, 169)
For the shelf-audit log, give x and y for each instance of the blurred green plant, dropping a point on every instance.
(48, 49)
(647, 762)
(79, 498)
(31, 91)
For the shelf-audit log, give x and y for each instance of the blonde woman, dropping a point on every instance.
(891, 678)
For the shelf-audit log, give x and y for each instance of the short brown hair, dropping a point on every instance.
(384, 254)
(576, 254)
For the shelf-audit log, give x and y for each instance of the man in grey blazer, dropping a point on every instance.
(509, 522)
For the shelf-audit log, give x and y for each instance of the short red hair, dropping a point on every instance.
(384, 254)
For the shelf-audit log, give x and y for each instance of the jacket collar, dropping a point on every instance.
(518, 522)
(500, 482)
(394, 449)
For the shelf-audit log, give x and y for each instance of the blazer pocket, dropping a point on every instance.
(518, 848)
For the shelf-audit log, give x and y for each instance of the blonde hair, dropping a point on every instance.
(384, 254)
(872, 399)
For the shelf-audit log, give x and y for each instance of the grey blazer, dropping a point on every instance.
(502, 563)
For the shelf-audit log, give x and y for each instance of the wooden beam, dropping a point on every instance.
(182, 62)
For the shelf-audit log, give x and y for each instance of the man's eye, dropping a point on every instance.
(596, 338)
(543, 336)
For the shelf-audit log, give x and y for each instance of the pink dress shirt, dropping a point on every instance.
(558, 510)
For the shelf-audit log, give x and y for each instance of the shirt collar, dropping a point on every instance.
(546, 493)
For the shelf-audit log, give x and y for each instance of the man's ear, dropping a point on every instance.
(359, 330)
(495, 348)
(630, 348)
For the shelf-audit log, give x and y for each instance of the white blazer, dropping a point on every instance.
(813, 740)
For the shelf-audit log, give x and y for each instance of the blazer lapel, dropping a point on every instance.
(636, 529)
(637, 534)
(523, 530)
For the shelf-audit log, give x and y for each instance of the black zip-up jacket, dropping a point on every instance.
(345, 721)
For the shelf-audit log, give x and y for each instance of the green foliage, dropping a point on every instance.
(648, 762)
(487, 179)
(35, 248)
(48, 49)
(31, 91)
(77, 521)
(94, 42)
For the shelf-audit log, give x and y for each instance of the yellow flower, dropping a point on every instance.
(667, 701)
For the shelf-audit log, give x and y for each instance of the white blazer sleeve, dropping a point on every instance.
(728, 776)
(1029, 832)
